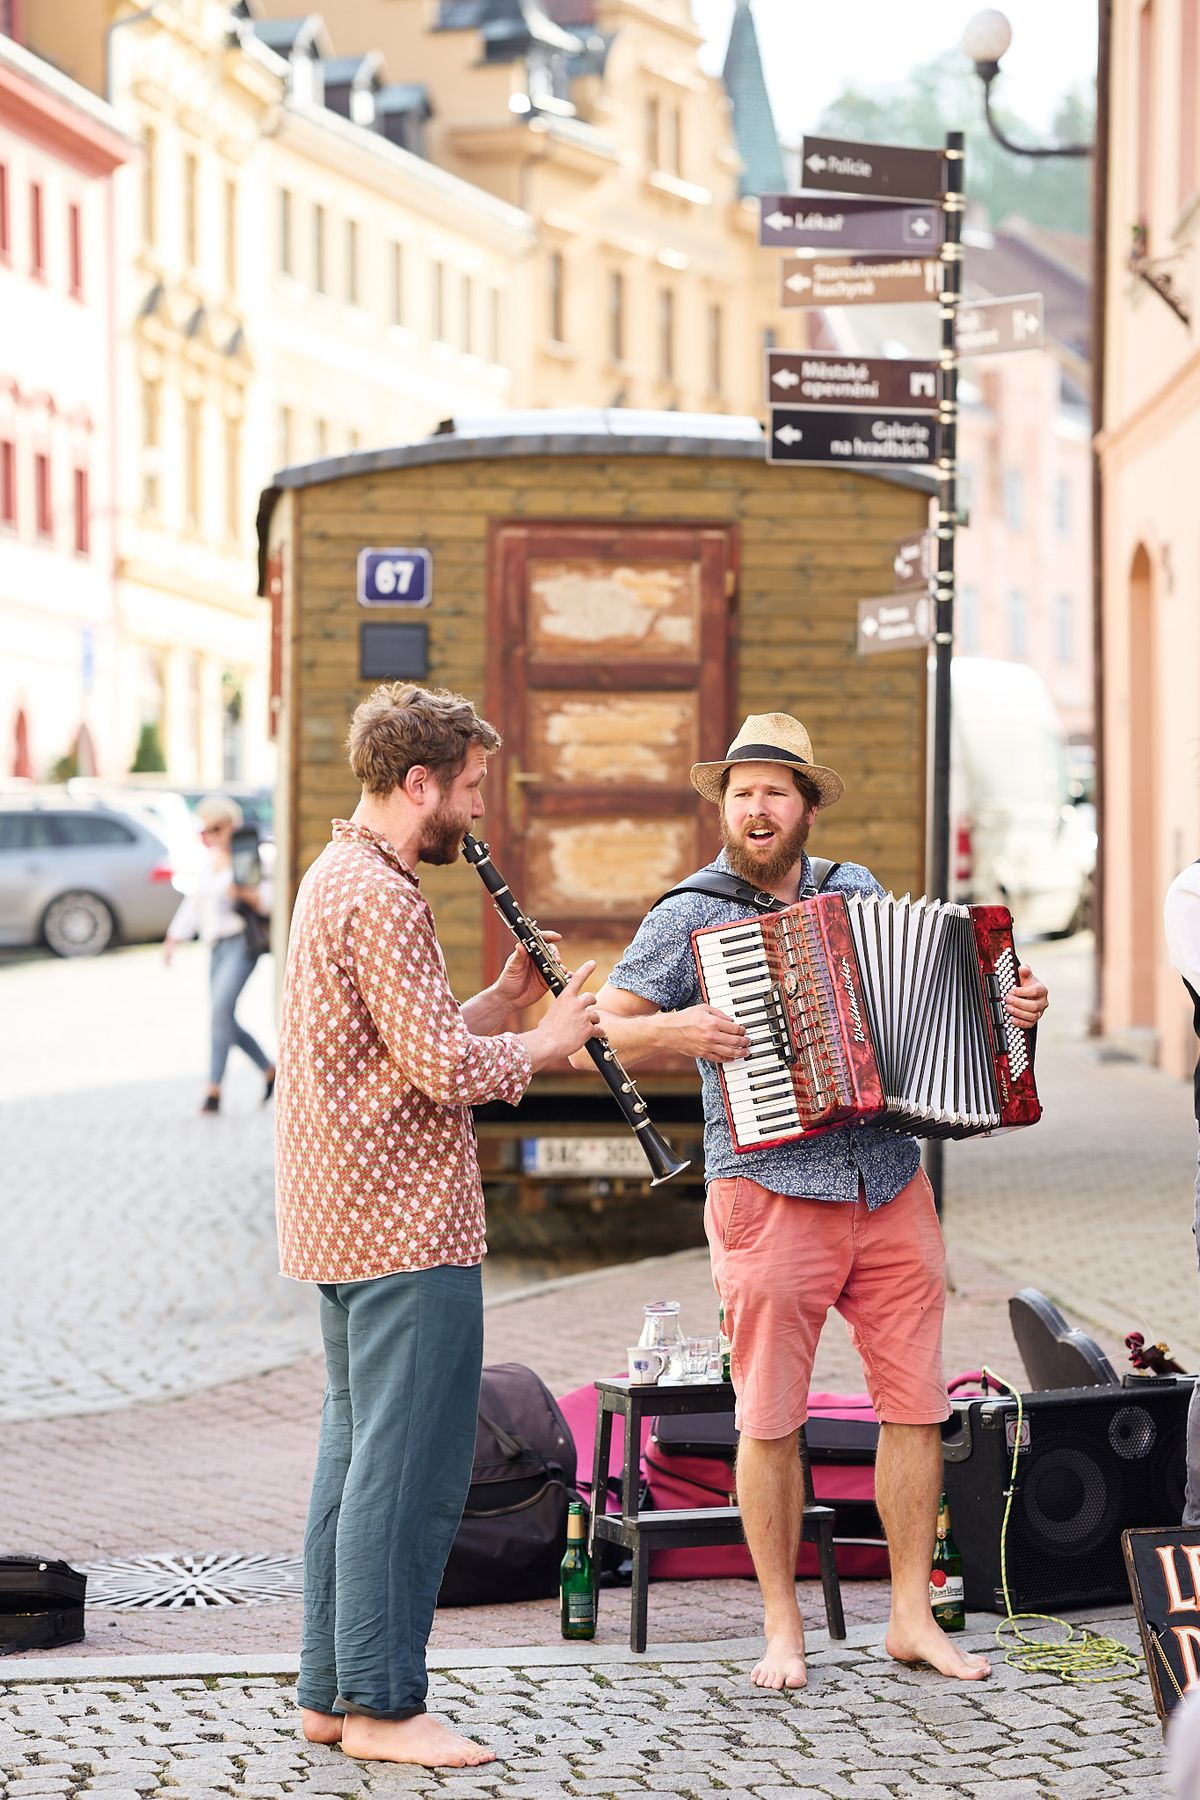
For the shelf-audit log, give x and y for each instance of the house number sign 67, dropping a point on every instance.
(395, 577)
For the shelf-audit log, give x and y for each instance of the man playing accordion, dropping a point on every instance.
(843, 1219)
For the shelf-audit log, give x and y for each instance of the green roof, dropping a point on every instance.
(753, 120)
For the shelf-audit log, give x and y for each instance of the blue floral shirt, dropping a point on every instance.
(660, 966)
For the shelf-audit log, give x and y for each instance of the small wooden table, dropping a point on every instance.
(642, 1532)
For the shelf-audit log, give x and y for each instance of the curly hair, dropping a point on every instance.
(400, 726)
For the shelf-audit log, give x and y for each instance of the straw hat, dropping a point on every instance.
(769, 737)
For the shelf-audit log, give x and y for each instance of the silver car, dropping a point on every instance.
(79, 878)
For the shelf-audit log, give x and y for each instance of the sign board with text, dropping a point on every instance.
(1014, 323)
(810, 281)
(899, 622)
(806, 378)
(895, 170)
(913, 563)
(395, 577)
(1164, 1578)
(802, 222)
(873, 439)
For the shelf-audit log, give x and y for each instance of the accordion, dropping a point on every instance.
(865, 1009)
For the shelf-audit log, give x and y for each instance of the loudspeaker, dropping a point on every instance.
(1093, 1462)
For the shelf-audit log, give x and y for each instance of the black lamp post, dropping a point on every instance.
(985, 39)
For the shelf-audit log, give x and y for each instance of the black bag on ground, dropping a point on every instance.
(514, 1529)
(41, 1604)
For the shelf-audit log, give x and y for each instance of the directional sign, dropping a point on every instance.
(891, 169)
(873, 438)
(1014, 323)
(395, 577)
(912, 565)
(859, 280)
(900, 622)
(818, 380)
(799, 222)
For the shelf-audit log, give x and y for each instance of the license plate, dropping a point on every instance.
(582, 1156)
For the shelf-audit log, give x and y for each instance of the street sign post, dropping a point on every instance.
(900, 622)
(913, 562)
(800, 222)
(1015, 323)
(891, 169)
(815, 379)
(810, 281)
(872, 438)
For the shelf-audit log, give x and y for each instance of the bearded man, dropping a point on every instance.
(844, 1219)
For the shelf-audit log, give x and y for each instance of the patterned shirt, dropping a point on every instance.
(376, 1161)
(660, 966)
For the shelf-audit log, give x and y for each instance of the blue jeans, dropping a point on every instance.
(403, 1357)
(231, 968)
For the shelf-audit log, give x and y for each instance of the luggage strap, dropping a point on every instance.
(720, 886)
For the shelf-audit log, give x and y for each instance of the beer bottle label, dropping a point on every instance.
(580, 1610)
(945, 1590)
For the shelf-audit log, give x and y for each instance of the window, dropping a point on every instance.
(1064, 629)
(677, 140)
(353, 438)
(616, 316)
(75, 250)
(5, 239)
(437, 323)
(150, 185)
(318, 249)
(352, 262)
(43, 501)
(1062, 506)
(465, 319)
(320, 437)
(151, 441)
(558, 323)
(191, 206)
(8, 482)
(192, 427)
(37, 231)
(715, 349)
(1189, 65)
(496, 327)
(233, 478)
(1017, 645)
(287, 436)
(231, 236)
(651, 143)
(24, 831)
(666, 334)
(967, 619)
(768, 337)
(79, 492)
(74, 830)
(397, 284)
(286, 247)
(1014, 500)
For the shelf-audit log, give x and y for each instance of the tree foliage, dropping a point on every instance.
(149, 758)
(945, 95)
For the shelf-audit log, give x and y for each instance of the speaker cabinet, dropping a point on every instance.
(1093, 1462)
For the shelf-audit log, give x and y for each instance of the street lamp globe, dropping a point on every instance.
(986, 37)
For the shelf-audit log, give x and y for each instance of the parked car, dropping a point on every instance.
(80, 877)
(1015, 836)
(170, 813)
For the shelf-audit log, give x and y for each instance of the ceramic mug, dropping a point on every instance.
(646, 1364)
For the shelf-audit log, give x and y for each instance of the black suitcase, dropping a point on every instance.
(41, 1604)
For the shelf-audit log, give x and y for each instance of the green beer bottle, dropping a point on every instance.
(946, 1578)
(575, 1581)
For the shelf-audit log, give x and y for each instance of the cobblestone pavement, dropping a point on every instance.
(692, 1728)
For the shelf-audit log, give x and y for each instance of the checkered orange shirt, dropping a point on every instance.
(375, 1154)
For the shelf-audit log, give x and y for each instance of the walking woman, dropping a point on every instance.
(215, 912)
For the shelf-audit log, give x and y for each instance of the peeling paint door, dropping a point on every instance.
(609, 675)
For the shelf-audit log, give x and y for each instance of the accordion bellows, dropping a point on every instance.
(864, 1009)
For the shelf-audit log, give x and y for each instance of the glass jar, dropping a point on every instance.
(661, 1330)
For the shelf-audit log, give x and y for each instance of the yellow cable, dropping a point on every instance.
(1079, 1654)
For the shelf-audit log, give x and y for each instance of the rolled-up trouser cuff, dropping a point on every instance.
(370, 1712)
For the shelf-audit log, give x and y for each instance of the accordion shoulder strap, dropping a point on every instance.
(720, 886)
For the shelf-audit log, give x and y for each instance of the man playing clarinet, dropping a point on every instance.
(843, 1219)
(380, 1204)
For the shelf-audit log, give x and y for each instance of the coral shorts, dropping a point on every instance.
(779, 1264)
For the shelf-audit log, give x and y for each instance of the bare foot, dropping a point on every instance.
(423, 1740)
(928, 1643)
(782, 1665)
(319, 1727)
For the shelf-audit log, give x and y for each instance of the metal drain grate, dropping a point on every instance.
(215, 1579)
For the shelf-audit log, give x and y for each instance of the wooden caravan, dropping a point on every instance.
(615, 591)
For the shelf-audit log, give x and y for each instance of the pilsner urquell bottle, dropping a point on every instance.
(575, 1580)
(946, 1579)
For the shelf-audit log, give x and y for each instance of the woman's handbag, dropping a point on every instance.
(258, 928)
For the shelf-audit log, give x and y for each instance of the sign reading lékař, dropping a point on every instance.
(806, 378)
(810, 281)
(802, 222)
(895, 170)
(871, 438)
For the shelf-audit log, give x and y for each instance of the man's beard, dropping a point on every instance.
(441, 836)
(764, 871)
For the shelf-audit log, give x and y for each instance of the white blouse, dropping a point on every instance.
(209, 911)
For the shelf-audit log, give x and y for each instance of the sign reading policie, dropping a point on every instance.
(897, 170)
(901, 439)
(815, 379)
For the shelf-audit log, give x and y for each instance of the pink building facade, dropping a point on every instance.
(59, 146)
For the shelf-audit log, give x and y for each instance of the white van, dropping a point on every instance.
(1014, 836)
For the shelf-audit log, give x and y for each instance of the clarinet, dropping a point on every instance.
(662, 1159)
